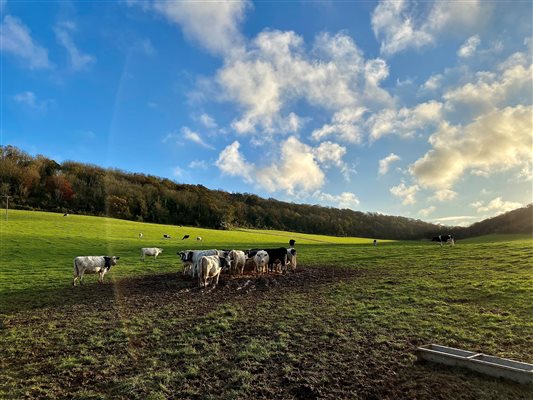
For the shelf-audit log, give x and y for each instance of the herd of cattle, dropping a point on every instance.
(205, 265)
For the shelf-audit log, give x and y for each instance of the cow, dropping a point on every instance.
(165, 236)
(92, 265)
(191, 258)
(199, 238)
(292, 242)
(444, 239)
(141, 235)
(237, 259)
(185, 237)
(277, 256)
(210, 267)
(261, 261)
(150, 251)
(291, 258)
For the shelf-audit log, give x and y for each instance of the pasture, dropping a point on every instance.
(345, 325)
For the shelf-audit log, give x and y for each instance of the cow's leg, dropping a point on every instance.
(74, 280)
(218, 276)
(81, 278)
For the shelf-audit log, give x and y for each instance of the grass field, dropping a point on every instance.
(345, 325)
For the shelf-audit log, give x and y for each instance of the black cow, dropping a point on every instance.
(292, 242)
(275, 256)
(165, 236)
(185, 237)
(444, 239)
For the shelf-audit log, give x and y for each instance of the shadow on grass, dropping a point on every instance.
(167, 287)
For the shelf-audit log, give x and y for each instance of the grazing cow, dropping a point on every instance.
(210, 267)
(444, 239)
(93, 265)
(65, 215)
(199, 238)
(150, 251)
(141, 235)
(165, 236)
(292, 242)
(261, 261)
(191, 258)
(375, 242)
(237, 259)
(185, 237)
(291, 258)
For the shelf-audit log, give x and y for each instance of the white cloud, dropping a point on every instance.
(15, 39)
(343, 200)
(295, 170)
(494, 142)
(496, 206)
(459, 220)
(277, 70)
(329, 153)
(195, 137)
(177, 172)
(29, 99)
(443, 195)
(405, 122)
(214, 25)
(345, 124)
(433, 83)
(427, 211)
(385, 163)
(401, 25)
(232, 162)
(198, 164)
(490, 90)
(406, 193)
(207, 121)
(78, 60)
(469, 47)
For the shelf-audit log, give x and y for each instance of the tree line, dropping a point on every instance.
(40, 183)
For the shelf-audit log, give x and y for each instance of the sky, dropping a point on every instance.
(420, 109)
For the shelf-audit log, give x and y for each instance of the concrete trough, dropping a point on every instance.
(479, 362)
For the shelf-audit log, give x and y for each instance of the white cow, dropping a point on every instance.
(261, 261)
(237, 259)
(210, 267)
(150, 251)
(191, 258)
(93, 265)
(141, 235)
(199, 238)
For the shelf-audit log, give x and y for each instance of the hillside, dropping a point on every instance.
(516, 221)
(40, 183)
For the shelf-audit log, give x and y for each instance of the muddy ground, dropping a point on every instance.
(277, 336)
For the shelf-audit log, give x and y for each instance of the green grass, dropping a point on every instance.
(145, 334)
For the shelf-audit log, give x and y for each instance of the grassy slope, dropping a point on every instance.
(353, 338)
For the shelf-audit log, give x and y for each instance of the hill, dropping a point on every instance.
(40, 183)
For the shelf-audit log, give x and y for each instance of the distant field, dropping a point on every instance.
(344, 326)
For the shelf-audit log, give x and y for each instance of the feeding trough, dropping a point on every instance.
(479, 362)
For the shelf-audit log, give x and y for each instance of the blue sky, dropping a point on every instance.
(421, 109)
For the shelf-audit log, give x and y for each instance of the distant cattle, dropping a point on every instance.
(210, 267)
(165, 236)
(199, 238)
(185, 237)
(65, 215)
(292, 242)
(150, 251)
(141, 235)
(92, 265)
(375, 242)
(444, 239)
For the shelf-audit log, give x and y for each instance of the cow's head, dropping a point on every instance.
(225, 262)
(160, 250)
(110, 261)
